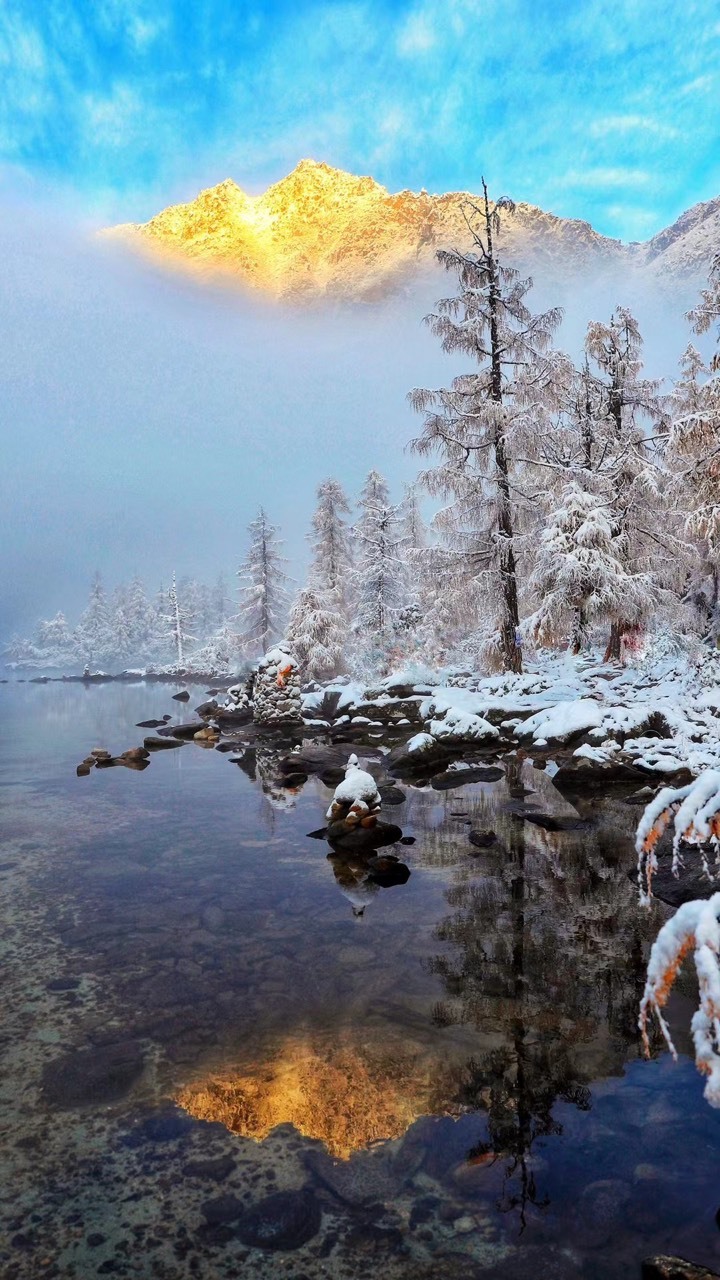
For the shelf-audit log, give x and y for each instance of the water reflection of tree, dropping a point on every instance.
(543, 956)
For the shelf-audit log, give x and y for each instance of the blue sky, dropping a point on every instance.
(599, 110)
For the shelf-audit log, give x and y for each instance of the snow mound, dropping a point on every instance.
(420, 742)
(358, 787)
(563, 721)
(462, 726)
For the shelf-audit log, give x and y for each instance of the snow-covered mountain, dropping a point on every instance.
(323, 232)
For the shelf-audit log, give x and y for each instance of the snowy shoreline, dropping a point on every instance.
(599, 719)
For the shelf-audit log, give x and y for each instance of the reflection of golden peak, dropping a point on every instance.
(322, 231)
(341, 1096)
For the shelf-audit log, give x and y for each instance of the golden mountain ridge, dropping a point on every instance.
(321, 232)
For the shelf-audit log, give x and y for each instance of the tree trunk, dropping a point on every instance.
(511, 651)
(579, 630)
(613, 652)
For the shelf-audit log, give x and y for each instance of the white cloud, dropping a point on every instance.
(417, 37)
(601, 179)
(606, 126)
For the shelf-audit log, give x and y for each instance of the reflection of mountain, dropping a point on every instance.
(542, 955)
(345, 1094)
(322, 232)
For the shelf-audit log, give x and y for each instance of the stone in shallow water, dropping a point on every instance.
(284, 1220)
(214, 1170)
(161, 744)
(167, 1124)
(222, 1209)
(663, 1267)
(482, 839)
(462, 777)
(359, 1180)
(92, 1076)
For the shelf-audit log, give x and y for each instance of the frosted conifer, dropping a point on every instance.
(477, 424)
(264, 597)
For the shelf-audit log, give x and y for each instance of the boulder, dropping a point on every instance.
(93, 1076)
(582, 774)
(359, 839)
(161, 744)
(664, 1267)
(207, 709)
(183, 696)
(187, 730)
(419, 754)
(482, 839)
(452, 778)
(284, 1220)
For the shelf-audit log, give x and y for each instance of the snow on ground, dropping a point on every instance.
(662, 715)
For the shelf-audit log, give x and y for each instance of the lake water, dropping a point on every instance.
(201, 1009)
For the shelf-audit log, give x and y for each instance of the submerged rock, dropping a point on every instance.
(482, 839)
(161, 744)
(361, 1179)
(222, 1209)
(91, 1076)
(664, 1267)
(284, 1220)
(212, 1170)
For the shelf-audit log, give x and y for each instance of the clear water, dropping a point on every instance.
(454, 1073)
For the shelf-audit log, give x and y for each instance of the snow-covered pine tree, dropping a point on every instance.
(379, 576)
(418, 583)
(53, 645)
(178, 619)
(141, 620)
(318, 622)
(221, 603)
(317, 634)
(331, 567)
(579, 575)
(477, 425)
(693, 458)
(707, 312)
(264, 597)
(627, 461)
(94, 639)
(196, 598)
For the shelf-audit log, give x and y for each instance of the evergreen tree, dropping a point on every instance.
(693, 453)
(476, 424)
(220, 604)
(141, 620)
(316, 633)
(93, 637)
(263, 598)
(628, 402)
(331, 566)
(379, 574)
(318, 623)
(580, 574)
